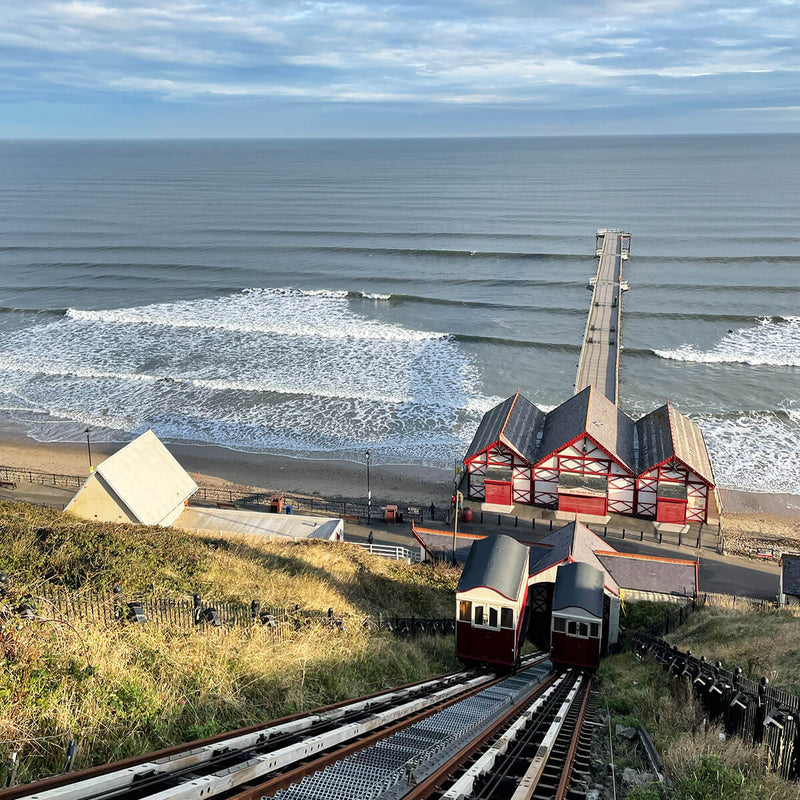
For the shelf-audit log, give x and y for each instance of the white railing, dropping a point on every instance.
(395, 552)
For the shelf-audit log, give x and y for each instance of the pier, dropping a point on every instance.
(599, 361)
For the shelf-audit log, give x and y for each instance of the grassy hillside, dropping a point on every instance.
(761, 642)
(121, 690)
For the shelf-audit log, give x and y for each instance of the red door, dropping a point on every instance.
(669, 510)
(498, 492)
(582, 504)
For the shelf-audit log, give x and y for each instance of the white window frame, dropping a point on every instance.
(486, 608)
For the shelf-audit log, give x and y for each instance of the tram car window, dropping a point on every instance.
(577, 620)
(491, 599)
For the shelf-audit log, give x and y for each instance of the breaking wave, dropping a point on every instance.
(309, 373)
(772, 341)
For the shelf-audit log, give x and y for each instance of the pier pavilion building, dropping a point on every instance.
(588, 457)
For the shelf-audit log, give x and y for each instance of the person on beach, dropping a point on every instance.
(370, 538)
(433, 511)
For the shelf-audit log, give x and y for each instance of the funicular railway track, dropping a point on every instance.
(414, 742)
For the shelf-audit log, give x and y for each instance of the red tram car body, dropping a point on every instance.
(576, 633)
(491, 599)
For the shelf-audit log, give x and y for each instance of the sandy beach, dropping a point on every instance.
(751, 519)
(211, 465)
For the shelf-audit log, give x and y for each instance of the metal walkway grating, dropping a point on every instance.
(372, 772)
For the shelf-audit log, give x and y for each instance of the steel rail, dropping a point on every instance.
(125, 772)
(553, 726)
(429, 785)
(464, 786)
(566, 775)
(286, 779)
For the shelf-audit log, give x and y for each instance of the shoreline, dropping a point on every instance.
(330, 478)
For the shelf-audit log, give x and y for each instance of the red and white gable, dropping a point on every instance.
(499, 475)
(671, 492)
(584, 478)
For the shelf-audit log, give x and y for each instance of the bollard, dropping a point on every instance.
(551, 525)
(623, 533)
(660, 536)
(641, 536)
(498, 519)
(680, 537)
(481, 517)
(605, 531)
(516, 522)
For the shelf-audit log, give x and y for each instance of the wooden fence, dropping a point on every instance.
(751, 709)
(199, 614)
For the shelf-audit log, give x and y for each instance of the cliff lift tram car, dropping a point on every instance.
(576, 636)
(491, 602)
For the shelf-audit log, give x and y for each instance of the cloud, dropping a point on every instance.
(453, 52)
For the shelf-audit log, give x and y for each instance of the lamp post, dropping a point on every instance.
(459, 501)
(89, 448)
(369, 491)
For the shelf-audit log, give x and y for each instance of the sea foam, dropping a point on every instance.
(772, 341)
(303, 372)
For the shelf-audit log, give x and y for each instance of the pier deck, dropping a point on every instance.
(599, 361)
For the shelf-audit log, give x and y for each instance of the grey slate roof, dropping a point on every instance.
(516, 422)
(790, 566)
(665, 433)
(522, 427)
(590, 411)
(489, 430)
(573, 540)
(648, 574)
(580, 585)
(497, 562)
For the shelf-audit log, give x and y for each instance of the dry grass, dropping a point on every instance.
(322, 575)
(700, 763)
(124, 690)
(762, 641)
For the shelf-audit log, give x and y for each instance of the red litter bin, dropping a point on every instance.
(276, 503)
(466, 515)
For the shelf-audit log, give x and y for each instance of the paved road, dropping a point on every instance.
(732, 575)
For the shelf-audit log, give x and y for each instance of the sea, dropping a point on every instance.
(318, 298)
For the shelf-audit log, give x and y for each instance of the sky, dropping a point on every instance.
(255, 68)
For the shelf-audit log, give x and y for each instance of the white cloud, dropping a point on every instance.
(480, 52)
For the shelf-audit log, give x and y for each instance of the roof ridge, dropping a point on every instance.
(508, 416)
(642, 557)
